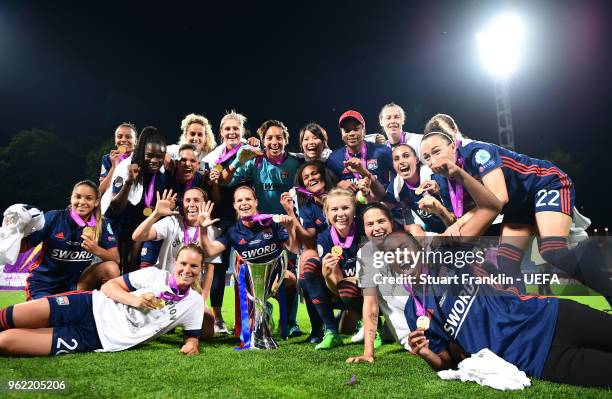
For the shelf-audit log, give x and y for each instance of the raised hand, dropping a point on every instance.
(133, 172)
(380, 139)
(287, 202)
(418, 342)
(430, 204)
(445, 167)
(430, 186)
(205, 215)
(354, 165)
(286, 221)
(166, 203)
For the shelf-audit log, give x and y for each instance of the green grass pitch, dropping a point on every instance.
(295, 370)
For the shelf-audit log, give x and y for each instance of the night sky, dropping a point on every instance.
(75, 69)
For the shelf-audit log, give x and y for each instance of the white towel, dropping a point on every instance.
(488, 369)
(19, 221)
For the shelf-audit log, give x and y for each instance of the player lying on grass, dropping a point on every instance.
(127, 311)
(548, 338)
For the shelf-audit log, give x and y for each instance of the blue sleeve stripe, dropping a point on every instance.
(192, 333)
(129, 285)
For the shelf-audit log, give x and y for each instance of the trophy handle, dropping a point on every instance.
(281, 276)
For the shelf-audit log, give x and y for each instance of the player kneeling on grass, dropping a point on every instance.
(127, 311)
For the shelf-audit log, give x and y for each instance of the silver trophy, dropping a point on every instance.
(263, 282)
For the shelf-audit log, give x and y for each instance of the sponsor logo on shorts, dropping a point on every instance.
(62, 300)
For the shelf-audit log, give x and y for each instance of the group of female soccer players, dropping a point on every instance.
(158, 232)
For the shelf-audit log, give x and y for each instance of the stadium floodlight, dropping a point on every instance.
(501, 44)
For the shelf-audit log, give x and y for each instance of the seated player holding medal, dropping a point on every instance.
(332, 282)
(134, 195)
(548, 338)
(255, 237)
(534, 193)
(312, 182)
(71, 239)
(127, 311)
(196, 130)
(389, 298)
(407, 196)
(125, 137)
(172, 231)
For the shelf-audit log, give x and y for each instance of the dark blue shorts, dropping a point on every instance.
(554, 193)
(74, 326)
(39, 289)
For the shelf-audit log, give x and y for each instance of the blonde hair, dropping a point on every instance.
(338, 192)
(196, 286)
(209, 138)
(235, 116)
(391, 105)
(97, 212)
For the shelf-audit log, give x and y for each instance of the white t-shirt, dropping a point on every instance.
(170, 230)
(121, 326)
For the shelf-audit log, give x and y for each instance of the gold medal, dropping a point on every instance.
(246, 155)
(89, 231)
(336, 251)
(218, 168)
(422, 322)
(147, 211)
(276, 218)
(292, 192)
(159, 303)
(418, 191)
(122, 149)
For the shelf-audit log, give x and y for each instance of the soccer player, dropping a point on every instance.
(196, 130)
(312, 182)
(402, 193)
(390, 298)
(185, 173)
(71, 239)
(232, 134)
(125, 137)
(534, 193)
(313, 142)
(330, 278)
(272, 173)
(548, 338)
(255, 237)
(135, 182)
(392, 118)
(127, 311)
(359, 159)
